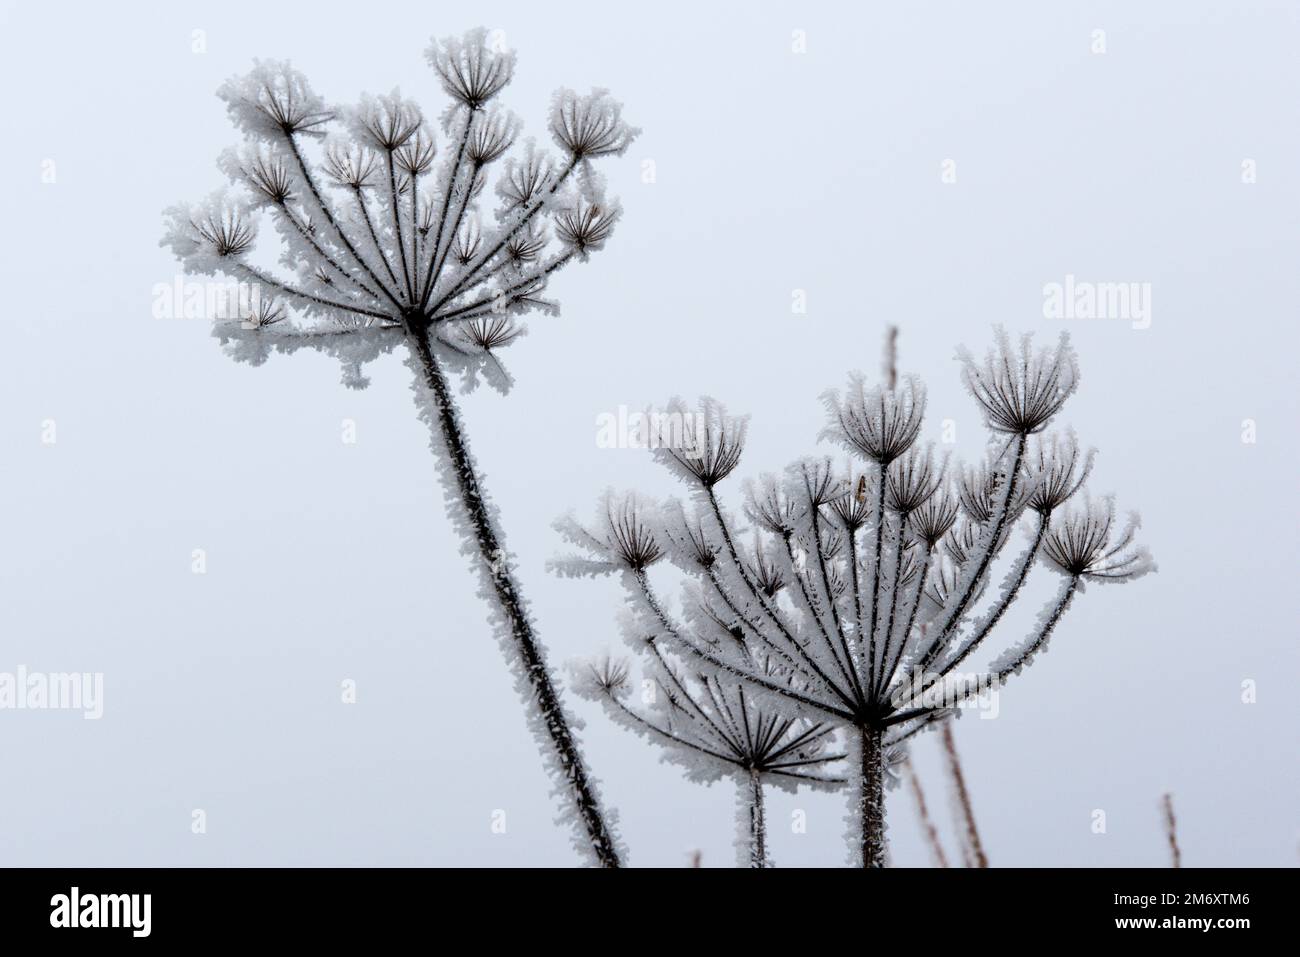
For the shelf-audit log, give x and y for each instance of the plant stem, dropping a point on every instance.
(923, 812)
(871, 807)
(753, 802)
(963, 797)
(511, 604)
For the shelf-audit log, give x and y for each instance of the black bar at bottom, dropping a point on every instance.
(373, 906)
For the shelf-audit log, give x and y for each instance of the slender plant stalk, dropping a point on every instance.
(1171, 830)
(472, 498)
(923, 812)
(963, 796)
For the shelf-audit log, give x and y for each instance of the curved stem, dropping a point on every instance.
(963, 797)
(511, 605)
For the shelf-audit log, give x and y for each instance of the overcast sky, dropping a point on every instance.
(775, 171)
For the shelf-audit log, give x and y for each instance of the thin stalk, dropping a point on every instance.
(875, 580)
(1171, 830)
(923, 812)
(374, 237)
(871, 796)
(429, 276)
(397, 227)
(963, 797)
(511, 604)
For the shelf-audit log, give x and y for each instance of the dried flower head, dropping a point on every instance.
(878, 423)
(274, 98)
(1084, 543)
(701, 445)
(589, 126)
(1056, 471)
(1021, 391)
(585, 226)
(473, 68)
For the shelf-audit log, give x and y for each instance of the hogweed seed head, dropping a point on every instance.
(228, 230)
(589, 126)
(878, 423)
(386, 122)
(912, 479)
(585, 226)
(274, 100)
(351, 166)
(1083, 542)
(472, 72)
(492, 136)
(703, 445)
(1056, 471)
(1020, 391)
(934, 518)
(415, 156)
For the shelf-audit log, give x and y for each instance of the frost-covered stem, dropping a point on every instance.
(963, 797)
(294, 292)
(464, 280)
(430, 277)
(871, 796)
(511, 604)
(1036, 641)
(311, 241)
(329, 214)
(374, 237)
(923, 812)
(767, 608)
(415, 219)
(753, 817)
(881, 678)
(758, 632)
(474, 168)
(1000, 609)
(397, 226)
(656, 608)
(892, 665)
(812, 612)
(505, 297)
(950, 621)
(857, 592)
(852, 671)
(875, 576)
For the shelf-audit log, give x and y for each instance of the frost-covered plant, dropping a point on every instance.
(866, 587)
(710, 724)
(384, 240)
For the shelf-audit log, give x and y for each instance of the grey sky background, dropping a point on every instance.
(775, 171)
